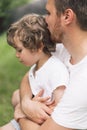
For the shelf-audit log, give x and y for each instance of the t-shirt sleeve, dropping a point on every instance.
(60, 76)
(71, 112)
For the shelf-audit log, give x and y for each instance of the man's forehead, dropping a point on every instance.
(50, 4)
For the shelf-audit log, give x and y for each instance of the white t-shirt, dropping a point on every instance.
(71, 112)
(51, 75)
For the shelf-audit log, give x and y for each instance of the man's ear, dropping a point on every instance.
(68, 16)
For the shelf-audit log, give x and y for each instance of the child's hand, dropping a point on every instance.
(39, 97)
(18, 113)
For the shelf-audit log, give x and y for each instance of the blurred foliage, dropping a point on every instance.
(6, 5)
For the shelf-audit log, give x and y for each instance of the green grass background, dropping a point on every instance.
(11, 73)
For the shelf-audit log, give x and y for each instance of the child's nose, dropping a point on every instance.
(17, 54)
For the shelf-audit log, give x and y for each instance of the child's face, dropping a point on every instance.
(24, 55)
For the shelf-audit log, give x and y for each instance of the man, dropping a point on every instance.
(67, 22)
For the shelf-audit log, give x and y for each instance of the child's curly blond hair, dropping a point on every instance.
(32, 31)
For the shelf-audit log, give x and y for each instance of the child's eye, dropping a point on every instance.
(19, 50)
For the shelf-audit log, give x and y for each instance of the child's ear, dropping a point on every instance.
(41, 48)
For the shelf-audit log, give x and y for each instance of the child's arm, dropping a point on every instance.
(56, 96)
(58, 93)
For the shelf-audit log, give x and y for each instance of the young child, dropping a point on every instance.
(31, 39)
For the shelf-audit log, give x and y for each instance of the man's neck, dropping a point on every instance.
(77, 46)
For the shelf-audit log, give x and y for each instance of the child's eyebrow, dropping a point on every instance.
(15, 46)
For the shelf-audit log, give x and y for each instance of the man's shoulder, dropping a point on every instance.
(61, 52)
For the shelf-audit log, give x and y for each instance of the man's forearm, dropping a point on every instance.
(49, 124)
(27, 124)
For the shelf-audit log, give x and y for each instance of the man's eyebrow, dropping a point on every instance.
(47, 12)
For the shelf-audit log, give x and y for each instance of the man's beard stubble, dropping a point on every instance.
(56, 34)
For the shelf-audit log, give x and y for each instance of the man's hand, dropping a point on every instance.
(36, 109)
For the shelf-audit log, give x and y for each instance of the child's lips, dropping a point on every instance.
(21, 61)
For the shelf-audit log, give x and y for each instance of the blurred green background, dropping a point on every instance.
(6, 10)
(12, 10)
(11, 71)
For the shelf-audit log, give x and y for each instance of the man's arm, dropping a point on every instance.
(49, 124)
(36, 111)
